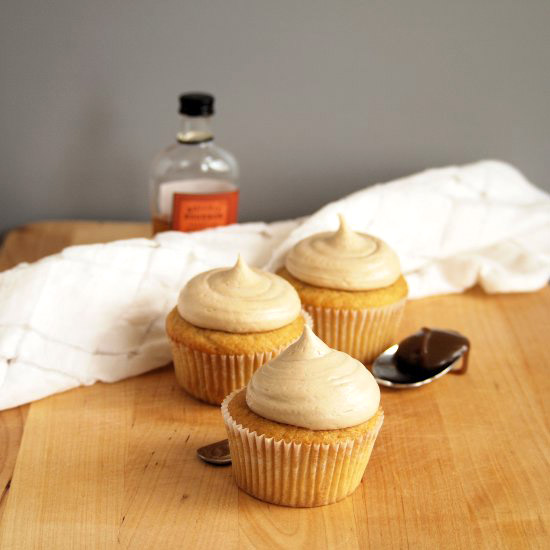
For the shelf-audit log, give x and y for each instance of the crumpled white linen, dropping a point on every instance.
(96, 312)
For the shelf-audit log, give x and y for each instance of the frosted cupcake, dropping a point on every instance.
(228, 322)
(302, 432)
(351, 285)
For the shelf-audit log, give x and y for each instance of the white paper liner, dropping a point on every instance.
(210, 377)
(297, 474)
(361, 333)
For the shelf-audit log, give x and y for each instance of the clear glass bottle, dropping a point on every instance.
(193, 183)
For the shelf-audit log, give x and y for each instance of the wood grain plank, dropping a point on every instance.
(12, 423)
(33, 241)
(116, 465)
(461, 463)
(68, 461)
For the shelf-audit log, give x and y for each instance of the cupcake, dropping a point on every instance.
(351, 285)
(302, 432)
(228, 322)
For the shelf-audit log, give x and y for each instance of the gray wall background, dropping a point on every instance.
(316, 99)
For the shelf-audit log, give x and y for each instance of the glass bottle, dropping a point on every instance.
(193, 182)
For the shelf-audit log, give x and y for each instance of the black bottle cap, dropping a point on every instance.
(196, 104)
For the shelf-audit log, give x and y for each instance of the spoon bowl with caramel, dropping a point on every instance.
(422, 358)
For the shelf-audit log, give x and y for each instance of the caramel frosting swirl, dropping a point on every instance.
(313, 386)
(238, 299)
(344, 260)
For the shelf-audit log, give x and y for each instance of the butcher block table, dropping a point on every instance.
(460, 463)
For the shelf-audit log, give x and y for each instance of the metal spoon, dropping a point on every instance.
(387, 374)
(216, 453)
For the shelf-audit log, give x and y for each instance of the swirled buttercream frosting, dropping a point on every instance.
(344, 260)
(238, 299)
(313, 386)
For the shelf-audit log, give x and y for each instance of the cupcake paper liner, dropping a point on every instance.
(361, 333)
(210, 377)
(297, 474)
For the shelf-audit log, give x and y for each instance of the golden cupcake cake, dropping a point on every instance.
(351, 285)
(228, 322)
(302, 432)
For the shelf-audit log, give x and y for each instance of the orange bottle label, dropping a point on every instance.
(193, 212)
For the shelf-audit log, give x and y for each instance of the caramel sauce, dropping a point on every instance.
(431, 350)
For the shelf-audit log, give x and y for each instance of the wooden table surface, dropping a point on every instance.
(460, 463)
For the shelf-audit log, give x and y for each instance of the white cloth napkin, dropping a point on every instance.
(96, 312)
